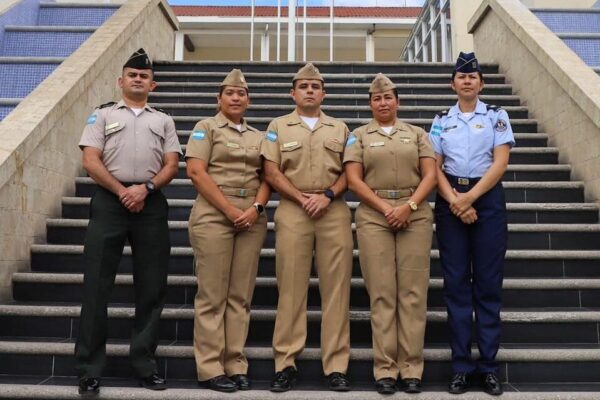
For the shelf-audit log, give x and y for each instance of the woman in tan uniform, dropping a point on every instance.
(227, 229)
(390, 165)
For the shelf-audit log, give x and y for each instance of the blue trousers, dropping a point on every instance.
(472, 259)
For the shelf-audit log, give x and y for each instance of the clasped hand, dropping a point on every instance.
(462, 207)
(315, 204)
(133, 197)
(242, 220)
(398, 217)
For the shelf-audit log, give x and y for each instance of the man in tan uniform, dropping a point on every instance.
(130, 150)
(303, 162)
(390, 165)
(227, 229)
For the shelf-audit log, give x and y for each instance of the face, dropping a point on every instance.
(384, 106)
(308, 94)
(467, 86)
(233, 102)
(137, 83)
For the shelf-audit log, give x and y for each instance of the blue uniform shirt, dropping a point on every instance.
(467, 144)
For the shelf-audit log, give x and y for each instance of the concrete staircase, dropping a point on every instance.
(29, 53)
(551, 344)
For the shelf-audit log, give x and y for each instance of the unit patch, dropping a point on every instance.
(272, 136)
(351, 140)
(198, 135)
(92, 119)
(501, 126)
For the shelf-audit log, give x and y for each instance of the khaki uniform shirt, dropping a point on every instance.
(390, 162)
(233, 157)
(310, 159)
(133, 147)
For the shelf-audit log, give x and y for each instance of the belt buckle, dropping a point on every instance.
(463, 181)
(242, 192)
(394, 194)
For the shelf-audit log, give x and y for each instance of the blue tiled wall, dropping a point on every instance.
(18, 80)
(570, 22)
(24, 13)
(587, 49)
(42, 44)
(84, 16)
(5, 110)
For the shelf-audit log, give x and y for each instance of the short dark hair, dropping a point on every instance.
(393, 90)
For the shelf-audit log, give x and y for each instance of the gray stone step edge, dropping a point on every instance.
(55, 392)
(31, 60)
(290, 107)
(557, 207)
(362, 121)
(434, 283)
(212, 95)
(578, 35)
(270, 253)
(10, 101)
(83, 180)
(566, 10)
(395, 64)
(526, 227)
(287, 85)
(326, 76)
(79, 5)
(50, 28)
(525, 354)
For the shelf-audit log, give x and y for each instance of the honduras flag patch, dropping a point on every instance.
(436, 130)
(92, 119)
(272, 136)
(198, 135)
(351, 140)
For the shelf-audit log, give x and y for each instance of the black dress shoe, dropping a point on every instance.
(241, 381)
(89, 387)
(458, 384)
(385, 386)
(220, 383)
(492, 385)
(284, 380)
(153, 382)
(410, 385)
(338, 382)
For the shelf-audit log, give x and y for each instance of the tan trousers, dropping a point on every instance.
(331, 239)
(226, 264)
(395, 267)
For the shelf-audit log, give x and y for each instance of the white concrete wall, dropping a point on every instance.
(561, 92)
(39, 157)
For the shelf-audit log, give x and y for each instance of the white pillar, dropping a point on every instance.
(433, 33)
(265, 45)
(370, 47)
(278, 30)
(304, 33)
(444, 36)
(292, 30)
(411, 54)
(179, 46)
(331, 31)
(425, 48)
(252, 33)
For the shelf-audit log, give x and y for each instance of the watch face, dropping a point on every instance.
(261, 208)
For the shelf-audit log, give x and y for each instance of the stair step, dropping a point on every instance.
(22, 77)
(567, 364)
(518, 293)
(519, 263)
(530, 192)
(45, 43)
(567, 213)
(447, 100)
(65, 14)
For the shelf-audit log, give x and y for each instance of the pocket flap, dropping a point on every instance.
(334, 146)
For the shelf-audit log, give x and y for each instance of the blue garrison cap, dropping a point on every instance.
(139, 60)
(467, 63)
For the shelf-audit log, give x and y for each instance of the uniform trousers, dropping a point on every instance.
(330, 238)
(472, 259)
(395, 267)
(226, 264)
(111, 224)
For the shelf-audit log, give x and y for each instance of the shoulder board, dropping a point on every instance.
(161, 110)
(492, 107)
(442, 113)
(253, 129)
(109, 104)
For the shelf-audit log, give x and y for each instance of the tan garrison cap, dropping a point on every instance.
(381, 83)
(309, 71)
(235, 78)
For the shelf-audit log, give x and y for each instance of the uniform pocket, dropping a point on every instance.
(334, 145)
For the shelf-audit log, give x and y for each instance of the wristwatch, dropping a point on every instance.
(413, 206)
(329, 194)
(259, 208)
(151, 187)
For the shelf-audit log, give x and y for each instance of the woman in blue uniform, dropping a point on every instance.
(472, 142)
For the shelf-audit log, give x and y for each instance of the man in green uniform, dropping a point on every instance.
(130, 150)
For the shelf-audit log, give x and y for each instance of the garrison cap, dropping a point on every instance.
(309, 71)
(381, 83)
(467, 63)
(139, 60)
(235, 78)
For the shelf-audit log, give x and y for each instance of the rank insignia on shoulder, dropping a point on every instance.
(501, 126)
(272, 136)
(161, 110)
(198, 135)
(92, 119)
(492, 107)
(109, 104)
(351, 140)
(442, 113)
